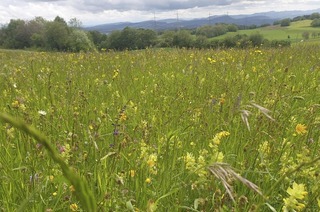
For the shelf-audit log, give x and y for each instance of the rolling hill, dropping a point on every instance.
(167, 24)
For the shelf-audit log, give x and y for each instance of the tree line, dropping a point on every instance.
(315, 17)
(59, 35)
(56, 35)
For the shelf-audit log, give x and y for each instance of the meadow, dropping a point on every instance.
(161, 130)
(294, 31)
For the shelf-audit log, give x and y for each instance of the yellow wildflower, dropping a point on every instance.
(73, 207)
(152, 160)
(148, 180)
(115, 74)
(297, 191)
(222, 100)
(123, 116)
(72, 189)
(132, 173)
(190, 161)
(15, 104)
(301, 129)
(211, 61)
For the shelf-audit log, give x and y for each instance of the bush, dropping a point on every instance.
(315, 22)
(285, 22)
(279, 43)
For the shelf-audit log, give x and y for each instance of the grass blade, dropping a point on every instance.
(82, 190)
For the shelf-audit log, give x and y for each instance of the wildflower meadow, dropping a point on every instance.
(161, 130)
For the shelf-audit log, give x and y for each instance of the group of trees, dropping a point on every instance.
(49, 35)
(58, 35)
(315, 17)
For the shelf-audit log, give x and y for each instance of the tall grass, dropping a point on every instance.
(164, 130)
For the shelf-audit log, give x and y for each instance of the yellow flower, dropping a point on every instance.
(211, 61)
(301, 129)
(15, 104)
(115, 74)
(152, 160)
(190, 161)
(291, 204)
(73, 207)
(123, 116)
(54, 194)
(222, 100)
(148, 180)
(132, 173)
(297, 191)
(72, 189)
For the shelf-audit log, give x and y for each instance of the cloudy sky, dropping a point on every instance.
(93, 12)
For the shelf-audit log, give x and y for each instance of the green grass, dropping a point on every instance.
(295, 31)
(161, 129)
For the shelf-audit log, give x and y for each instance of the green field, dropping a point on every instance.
(277, 32)
(161, 130)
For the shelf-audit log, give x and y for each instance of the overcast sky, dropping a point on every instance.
(93, 12)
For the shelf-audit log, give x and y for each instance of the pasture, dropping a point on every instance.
(294, 31)
(161, 130)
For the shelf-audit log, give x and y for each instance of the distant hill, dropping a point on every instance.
(167, 24)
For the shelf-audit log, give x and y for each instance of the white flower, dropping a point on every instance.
(42, 112)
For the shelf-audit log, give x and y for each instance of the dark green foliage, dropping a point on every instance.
(256, 39)
(99, 40)
(16, 35)
(166, 39)
(285, 22)
(213, 31)
(46, 35)
(182, 38)
(130, 38)
(314, 16)
(57, 33)
(315, 22)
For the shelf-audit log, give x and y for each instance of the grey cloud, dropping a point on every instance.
(143, 5)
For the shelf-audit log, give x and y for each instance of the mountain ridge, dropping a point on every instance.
(169, 24)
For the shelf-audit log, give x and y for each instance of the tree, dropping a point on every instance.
(206, 30)
(285, 22)
(75, 23)
(114, 41)
(256, 39)
(182, 38)
(98, 39)
(219, 29)
(79, 41)
(201, 42)
(128, 38)
(315, 23)
(232, 28)
(145, 38)
(314, 16)
(57, 34)
(166, 39)
(37, 28)
(16, 35)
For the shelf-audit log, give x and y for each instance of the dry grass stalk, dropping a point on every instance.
(225, 174)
